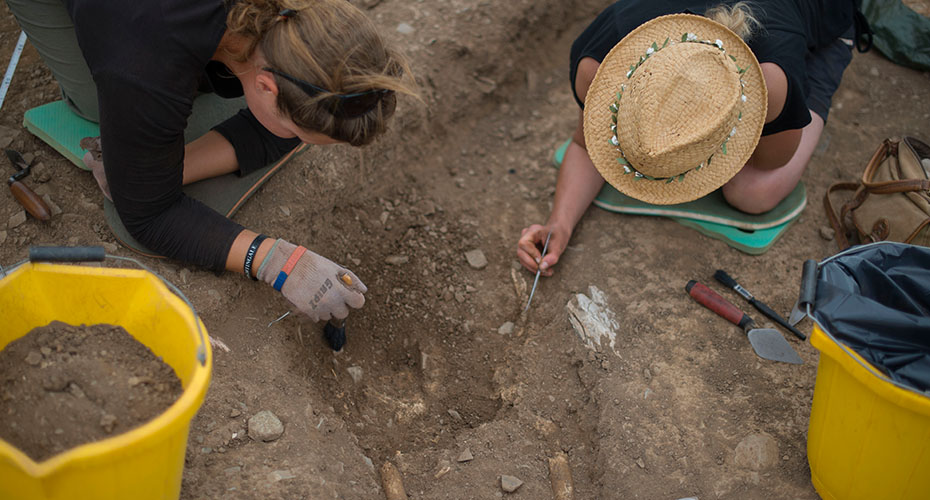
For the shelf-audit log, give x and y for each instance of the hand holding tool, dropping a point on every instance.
(335, 330)
(726, 280)
(25, 196)
(538, 271)
(766, 342)
(313, 283)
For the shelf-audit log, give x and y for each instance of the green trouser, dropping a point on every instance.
(50, 30)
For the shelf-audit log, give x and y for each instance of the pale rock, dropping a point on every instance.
(465, 456)
(506, 328)
(356, 373)
(265, 426)
(756, 452)
(52, 206)
(17, 219)
(510, 484)
(396, 260)
(476, 258)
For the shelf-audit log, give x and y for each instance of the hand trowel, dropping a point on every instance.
(768, 343)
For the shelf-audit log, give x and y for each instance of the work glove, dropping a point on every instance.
(93, 159)
(317, 286)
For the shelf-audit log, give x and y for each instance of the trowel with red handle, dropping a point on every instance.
(768, 343)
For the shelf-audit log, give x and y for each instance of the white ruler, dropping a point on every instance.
(8, 77)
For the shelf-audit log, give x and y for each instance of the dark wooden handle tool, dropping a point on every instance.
(26, 197)
(713, 301)
(727, 280)
(29, 200)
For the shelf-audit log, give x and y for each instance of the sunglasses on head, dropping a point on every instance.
(340, 105)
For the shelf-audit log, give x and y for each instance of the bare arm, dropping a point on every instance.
(578, 183)
(210, 155)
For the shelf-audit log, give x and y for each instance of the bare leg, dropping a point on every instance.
(754, 190)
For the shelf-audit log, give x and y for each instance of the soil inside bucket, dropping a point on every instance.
(62, 386)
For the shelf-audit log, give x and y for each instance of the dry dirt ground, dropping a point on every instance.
(659, 414)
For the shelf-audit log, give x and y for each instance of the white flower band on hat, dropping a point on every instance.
(615, 107)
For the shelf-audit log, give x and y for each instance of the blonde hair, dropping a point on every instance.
(738, 18)
(331, 44)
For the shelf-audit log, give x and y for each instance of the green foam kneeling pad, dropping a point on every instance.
(56, 124)
(711, 215)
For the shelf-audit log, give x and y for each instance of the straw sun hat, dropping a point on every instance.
(675, 109)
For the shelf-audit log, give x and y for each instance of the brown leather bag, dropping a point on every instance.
(891, 202)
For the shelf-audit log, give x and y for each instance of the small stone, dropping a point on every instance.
(2, 237)
(53, 207)
(355, 372)
(17, 219)
(518, 132)
(396, 260)
(827, 233)
(404, 29)
(384, 217)
(510, 484)
(33, 358)
(454, 414)
(265, 426)
(108, 422)
(756, 452)
(280, 475)
(506, 328)
(476, 259)
(285, 210)
(874, 71)
(465, 456)
(459, 297)
(185, 274)
(40, 173)
(640, 463)
(6, 136)
(234, 413)
(110, 248)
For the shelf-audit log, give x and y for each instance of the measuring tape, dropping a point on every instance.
(8, 77)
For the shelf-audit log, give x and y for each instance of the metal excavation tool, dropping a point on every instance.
(726, 280)
(767, 342)
(538, 271)
(806, 295)
(25, 196)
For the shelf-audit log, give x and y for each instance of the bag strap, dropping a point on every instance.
(889, 147)
(838, 224)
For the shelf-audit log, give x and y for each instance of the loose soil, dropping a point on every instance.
(63, 386)
(426, 374)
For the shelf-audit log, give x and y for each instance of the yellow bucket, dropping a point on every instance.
(148, 461)
(868, 438)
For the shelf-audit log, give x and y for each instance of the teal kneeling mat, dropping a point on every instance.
(711, 215)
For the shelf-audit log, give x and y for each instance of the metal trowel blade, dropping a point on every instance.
(796, 315)
(770, 344)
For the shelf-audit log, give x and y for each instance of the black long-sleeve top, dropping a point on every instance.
(149, 60)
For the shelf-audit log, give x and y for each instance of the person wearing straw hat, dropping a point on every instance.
(676, 105)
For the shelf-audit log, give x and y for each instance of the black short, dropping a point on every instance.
(825, 68)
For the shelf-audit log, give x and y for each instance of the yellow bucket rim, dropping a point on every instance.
(866, 373)
(179, 414)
